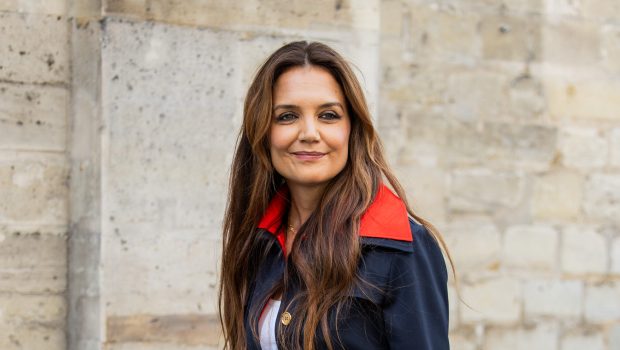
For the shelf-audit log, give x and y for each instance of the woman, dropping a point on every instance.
(318, 253)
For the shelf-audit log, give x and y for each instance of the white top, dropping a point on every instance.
(267, 325)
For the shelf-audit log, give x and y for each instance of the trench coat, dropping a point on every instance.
(408, 311)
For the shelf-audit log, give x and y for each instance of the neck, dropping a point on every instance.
(304, 200)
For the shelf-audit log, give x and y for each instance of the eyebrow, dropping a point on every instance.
(324, 105)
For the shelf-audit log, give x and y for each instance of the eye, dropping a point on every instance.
(286, 117)
(330, 116)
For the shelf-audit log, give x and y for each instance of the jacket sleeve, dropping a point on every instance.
(416, 309)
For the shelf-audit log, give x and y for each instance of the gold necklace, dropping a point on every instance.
(291, 228)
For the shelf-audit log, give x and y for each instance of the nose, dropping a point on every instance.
(309, 130)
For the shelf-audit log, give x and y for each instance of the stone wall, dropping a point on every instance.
(118, 119)
(503, 120)
(34, 99)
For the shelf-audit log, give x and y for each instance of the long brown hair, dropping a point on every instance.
(325, 261)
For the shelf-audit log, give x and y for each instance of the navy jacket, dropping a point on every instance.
(398, 255)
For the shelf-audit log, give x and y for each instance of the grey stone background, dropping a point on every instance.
(118, 120)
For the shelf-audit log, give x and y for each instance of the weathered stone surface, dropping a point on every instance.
(463, 340)
(483, 190)
(541, 337)
(571, 43)
(153, 264)
(425, 190)
(475, 245)
(55, 7)
(593, 99)
(33, 188)
(583, 251)
(188, 330)
(38, 310)
(495, 301)
(610, 48)
(615, 256)
(473, 95)
(531, 247)
(602, 196)
(510, 38)
(614, 337)
(34, 48)
(553, 298)
(557, 195)
(136, 8)
(614, 147)
(31, 337)
(583, 148)
(431, 34)
(323, 14)
(602, 302)
(32, 261)
(33, 117)
(501, 143)
(582, 340)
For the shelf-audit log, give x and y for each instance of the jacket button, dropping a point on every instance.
(286, 318)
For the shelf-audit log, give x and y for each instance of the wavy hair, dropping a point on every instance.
(325, 262)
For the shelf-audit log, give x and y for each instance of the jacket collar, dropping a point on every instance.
(385, 223)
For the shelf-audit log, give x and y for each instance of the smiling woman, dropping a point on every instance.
(318, 251)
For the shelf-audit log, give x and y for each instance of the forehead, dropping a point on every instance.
(307, 84)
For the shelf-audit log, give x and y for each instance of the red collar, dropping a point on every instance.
(386, 217)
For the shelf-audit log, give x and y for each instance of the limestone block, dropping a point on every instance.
(554, 298)
(531, 247)
(425, 136)
(562, 7)
(584, 251)
(484, 190)
(510, 38)
(582, 147)
(570, 42)
(477, 94)
(392, 14)
(540, 337)
(527, 101)
(614, 147)
(32, 337)
(425, 190)
(600, 10)
(453, 305)
(34, 48)
(147, 265)
(136, 8)
(602, 196)
(431, 34)
(582, 340)
(502, 143)
(33, 117)
(52, 7)
(183, 330)
(474, 244)
(20, 309)
(460, 340)
(610, 48)
(602, 302)
(614, 336)
(615, 256)
(172, 126)
(495, 301)
(557, 195)
(595, 99)
(33, 187)
(322, 14)
(32, 262)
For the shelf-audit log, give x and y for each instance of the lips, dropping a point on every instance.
(308, 155)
